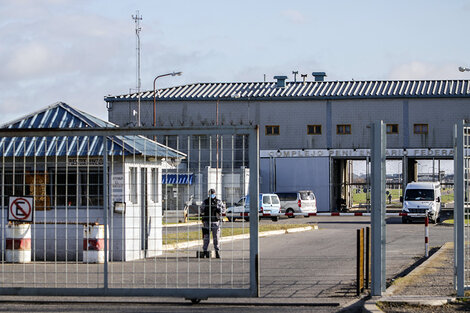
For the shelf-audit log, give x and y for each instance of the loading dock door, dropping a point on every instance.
(293, 174)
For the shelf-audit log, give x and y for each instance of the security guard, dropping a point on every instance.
(213, 209)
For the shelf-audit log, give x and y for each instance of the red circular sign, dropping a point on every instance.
(19, 205)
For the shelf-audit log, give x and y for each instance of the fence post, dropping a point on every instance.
(378, 230)
(426, 236)
(360, 261)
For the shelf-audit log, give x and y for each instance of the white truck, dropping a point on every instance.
(422, 198)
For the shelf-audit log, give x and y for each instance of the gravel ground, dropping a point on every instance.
(402, 308)
(433, 278)
(429, 279)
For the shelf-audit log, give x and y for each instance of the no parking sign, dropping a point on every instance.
(20, 209)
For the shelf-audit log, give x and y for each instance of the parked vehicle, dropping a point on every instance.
(303, 202)
(238, 210)
(270, 207)
(423, 198)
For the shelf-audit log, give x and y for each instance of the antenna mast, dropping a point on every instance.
(137, 18)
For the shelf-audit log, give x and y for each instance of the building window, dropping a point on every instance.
(200, 142)
(392, 128)
(420, 128)
(133, 184)
(313, 129)
(272, 130)
(343, 129)
(154, 185)
(171, 141)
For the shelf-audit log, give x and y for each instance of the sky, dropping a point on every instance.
(80, 51)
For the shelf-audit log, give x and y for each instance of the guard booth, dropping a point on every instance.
(63, 173)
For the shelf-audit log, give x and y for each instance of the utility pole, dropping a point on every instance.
(137, 18)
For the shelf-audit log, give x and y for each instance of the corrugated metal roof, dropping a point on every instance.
(309, 90)
(61, 115)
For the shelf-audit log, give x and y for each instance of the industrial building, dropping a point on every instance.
(311, 131)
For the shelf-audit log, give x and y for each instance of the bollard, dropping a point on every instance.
(360, 262)
(426, 236)
(367, 260)
(93, 243)
(18, 243)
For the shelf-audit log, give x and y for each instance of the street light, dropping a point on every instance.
(155, 94)
(464, 69)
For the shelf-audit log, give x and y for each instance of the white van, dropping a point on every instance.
(269, 206)
(303, 202)
(422, 198)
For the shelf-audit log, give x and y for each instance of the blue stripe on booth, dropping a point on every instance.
(182, 179)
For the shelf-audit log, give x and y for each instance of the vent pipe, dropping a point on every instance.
(304, 76)
(319, 76)
(280, 81)
(295, 75)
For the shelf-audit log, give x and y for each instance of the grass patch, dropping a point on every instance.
(451, 222)
(447, 198)
(172, 238)
(361, 197)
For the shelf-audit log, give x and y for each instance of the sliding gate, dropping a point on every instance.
(75, 223)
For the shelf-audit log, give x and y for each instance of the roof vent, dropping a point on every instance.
(319, 76)
(280, 81)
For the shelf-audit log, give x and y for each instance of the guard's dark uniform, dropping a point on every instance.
(211, 216)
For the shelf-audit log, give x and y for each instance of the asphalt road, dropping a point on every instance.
(300, 272)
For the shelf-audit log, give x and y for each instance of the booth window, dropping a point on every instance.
(420, 128)
(133, 184)
(272, 130)
(91, 185)
(392, 128)
(343, 129)
(313, 129)
(64, 188)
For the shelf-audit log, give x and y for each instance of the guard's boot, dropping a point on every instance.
(217, 254)
(206, 254)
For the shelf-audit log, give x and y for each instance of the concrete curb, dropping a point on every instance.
(371, 305)
(182, 224)
(193, 243)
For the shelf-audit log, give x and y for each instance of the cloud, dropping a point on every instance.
(75, 57)
(294, 16)
(422, 70)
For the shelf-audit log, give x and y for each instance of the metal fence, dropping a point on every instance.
(76, 223)
(462, 207)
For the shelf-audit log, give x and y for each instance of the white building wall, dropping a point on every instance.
(295, 174)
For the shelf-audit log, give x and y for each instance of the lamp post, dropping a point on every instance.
(155, 94)
(464, 69)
